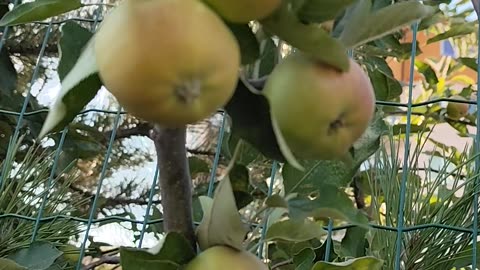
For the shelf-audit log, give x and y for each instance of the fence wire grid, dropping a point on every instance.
(91, 220)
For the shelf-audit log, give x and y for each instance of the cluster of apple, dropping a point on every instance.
(175, 62)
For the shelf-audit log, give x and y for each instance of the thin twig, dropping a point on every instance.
(112, 202)
(282, 263)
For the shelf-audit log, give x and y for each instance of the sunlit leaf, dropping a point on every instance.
(365, 26)
(221, 223)
(38, 10)
(455, 31)
(294, 230)
(80, 84)
(363, 263)
(310, 39)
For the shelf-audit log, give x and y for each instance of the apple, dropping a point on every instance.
(70, 252)
(319, 110)
(243, 11)
(223, 257)
(169, 62)
(456, 110)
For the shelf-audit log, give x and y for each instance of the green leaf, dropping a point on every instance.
(304, 259)
(294, 231)
(268, 58)
(355, 16)
(321, 252)
(402, 129)
(363, 263)
(38, 10)
(246, 152)
(7, 264)
(427, 71)
(73, 40)
(197, 165)
(310, 39)
(381, 75)
(354, 242)
(437, 17)
(221, 223)
(80, 84)
(8, 80)
(240, 181)
(390, 45)
(364, 26)
(38, 256)
(329, 202)
(454, 31)
(81, 144)
(276, 201)
(253, 123)
(249, 46)
(318, 173)
(322, 10)
(174, 251)
(468, 62)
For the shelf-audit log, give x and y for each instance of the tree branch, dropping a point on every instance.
(142, 129)
(102, 260)
(475, 6)
(112, 202)
(49, 50)
(358, 193)
(175, 181)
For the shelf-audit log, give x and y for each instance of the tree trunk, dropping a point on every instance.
(175, 181)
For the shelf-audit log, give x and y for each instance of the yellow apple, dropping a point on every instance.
(169, 62)
(225, 258)
(320, 111)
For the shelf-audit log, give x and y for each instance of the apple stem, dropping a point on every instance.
(175, 181)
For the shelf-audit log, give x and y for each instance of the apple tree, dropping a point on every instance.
(297, 81)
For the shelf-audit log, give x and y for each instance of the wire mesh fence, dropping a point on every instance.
(92, 216)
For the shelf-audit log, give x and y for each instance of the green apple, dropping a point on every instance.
(168, 62)
(456, 110)
(320, 111)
